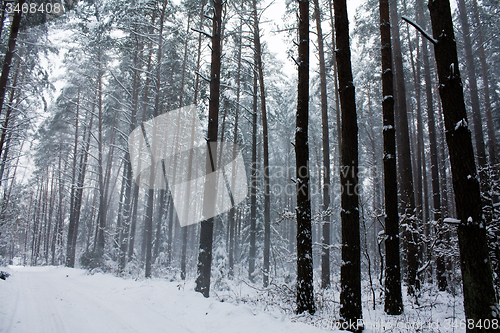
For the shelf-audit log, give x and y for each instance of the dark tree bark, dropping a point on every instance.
(393, 298)
(404, 156)
(207, 226)
(350, 270)
(325, 249)
(479, 293)
(11, 47)
(9, 117)
(305, 291)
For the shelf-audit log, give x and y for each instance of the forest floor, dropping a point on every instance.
(58, 299)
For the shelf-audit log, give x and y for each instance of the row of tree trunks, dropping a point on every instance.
(484, 175)
(407, 194)
(492, 140)
(128, 199)
(325, 249)
(431, 123)
(77, 190)
(184, 230)
(479, 293)
(267, 197)
(233, 212)
(145, 104)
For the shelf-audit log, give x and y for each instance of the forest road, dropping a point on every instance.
(50, 299)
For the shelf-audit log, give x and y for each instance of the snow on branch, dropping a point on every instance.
(202, 32)
(419, 28)
(452, 221)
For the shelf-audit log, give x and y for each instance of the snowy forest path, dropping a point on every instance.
(49, 299)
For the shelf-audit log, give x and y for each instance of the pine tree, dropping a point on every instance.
(393, 299)
(350, 270)
(206, 232)
(305, 292)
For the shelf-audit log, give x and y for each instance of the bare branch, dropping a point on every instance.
(419, 28)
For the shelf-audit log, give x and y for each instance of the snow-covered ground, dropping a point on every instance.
(58, 299)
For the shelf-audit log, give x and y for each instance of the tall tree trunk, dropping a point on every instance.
(445, 206)
(101, 224)
(9, 118)
(325, 241)
(350, 270)
(145, 103)
(148, 218)
(206, 232)
(234, 210)
(253, 186)
(198, 59)
(335, 81)
(129, 182)
(120, 212)
(159, 221)
(184, 230)
(56, 238)
(76, 209)
(431, 123)
(305, 288)
(419, 155)
(11, 47)
(2, 16)
(479, 294)
(404, 156)
(267, 197)
(393, 298)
